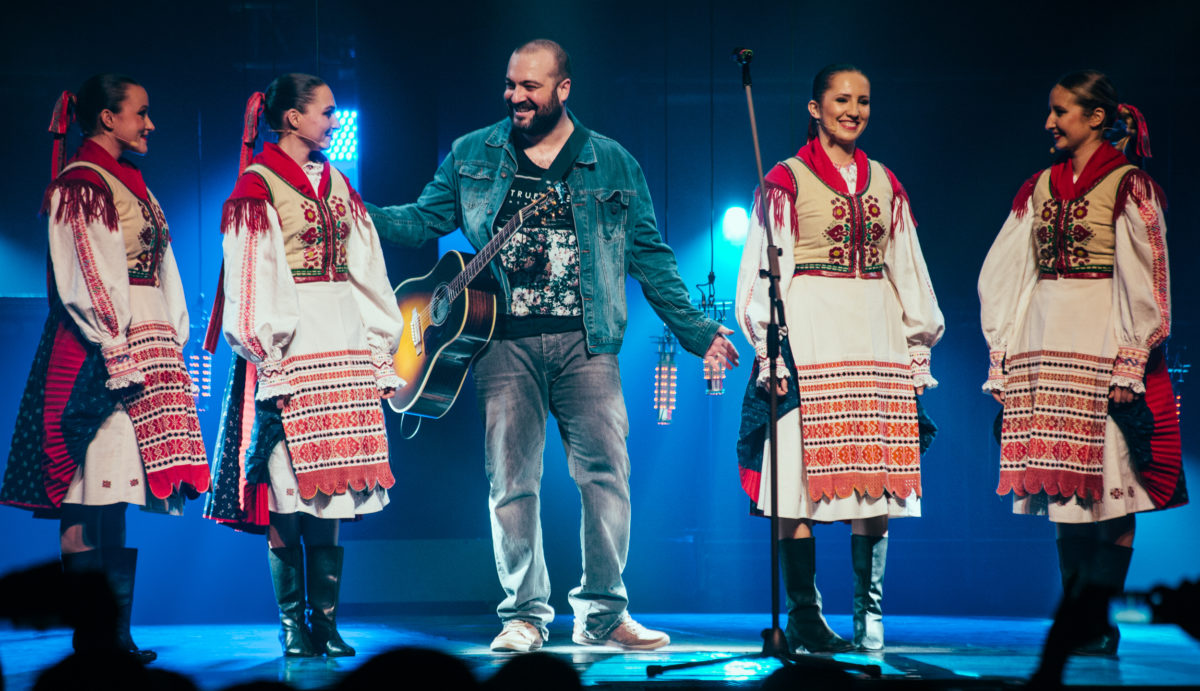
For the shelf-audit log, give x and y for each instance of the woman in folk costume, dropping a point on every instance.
(861, 318)
(107, 418)
(309, 311)
(1075, 309)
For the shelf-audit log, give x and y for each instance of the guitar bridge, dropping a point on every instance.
(415, 329)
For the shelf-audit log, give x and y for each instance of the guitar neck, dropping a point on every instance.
(486, 255)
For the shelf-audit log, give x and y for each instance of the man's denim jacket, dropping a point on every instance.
(614, 224)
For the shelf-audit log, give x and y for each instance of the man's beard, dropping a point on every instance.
(544, 118)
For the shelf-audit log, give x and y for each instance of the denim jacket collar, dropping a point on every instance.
(501, 137)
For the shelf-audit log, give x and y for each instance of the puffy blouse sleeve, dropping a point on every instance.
(172, 287)
(1141, 282)
(261, 303)
(906, 269)
(373, 293)
(753, 303)
(1006, 285)
(91, 274)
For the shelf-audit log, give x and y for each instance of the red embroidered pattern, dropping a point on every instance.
(163, 412)
(1158, 246)
(1064, 239)
(146, 252)
(322, 240)
(857, 236)
(1130, 363)
(101, 301)
(334, 424)
(1055, 413)
(996, 367)
(247, 335)
(859, 429)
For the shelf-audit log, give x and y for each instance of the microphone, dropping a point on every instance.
(126, 142)
(743, 56)
(314, 142)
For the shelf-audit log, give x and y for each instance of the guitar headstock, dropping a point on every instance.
(552, 202)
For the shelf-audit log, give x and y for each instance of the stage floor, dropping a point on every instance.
(949, 651)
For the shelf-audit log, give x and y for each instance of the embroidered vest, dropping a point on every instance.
(314, 230)
(1074, 238)
(841, 235)
(142, 224)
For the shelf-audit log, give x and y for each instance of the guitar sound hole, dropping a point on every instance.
(439, 305)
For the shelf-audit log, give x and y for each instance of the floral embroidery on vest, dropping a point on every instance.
(1074, 238)
(145, 251)
(315, 231)
(855, 234)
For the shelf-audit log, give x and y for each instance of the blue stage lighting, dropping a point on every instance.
(345, 139)
(735, 224)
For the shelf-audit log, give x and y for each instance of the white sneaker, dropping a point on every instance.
(517, 636)
(628, 634)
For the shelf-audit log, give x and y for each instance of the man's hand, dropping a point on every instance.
(721, 350)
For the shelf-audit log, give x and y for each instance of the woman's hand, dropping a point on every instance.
(999, 396)
(919, 389)
(387, 393)
(282, 401)
(1121, 394)
(781, 387)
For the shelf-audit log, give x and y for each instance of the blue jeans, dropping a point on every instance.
(518, 382)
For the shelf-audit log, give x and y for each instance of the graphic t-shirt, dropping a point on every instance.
(541, 260)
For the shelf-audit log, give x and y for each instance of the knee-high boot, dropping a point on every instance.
(1106, 576)
(91, 610)
(120, 564)
(1074, 561)
(868, 553)
(324, 587)
(287, 577)
(806, 626)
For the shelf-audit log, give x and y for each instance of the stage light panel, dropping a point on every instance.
(345, 138)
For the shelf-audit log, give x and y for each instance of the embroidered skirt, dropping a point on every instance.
(1060, 453)
(852, 450)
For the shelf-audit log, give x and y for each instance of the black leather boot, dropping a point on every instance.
(1106, 575)
(287, 576)
(1074, 560)
(806, 626)
(868, 554)
(90, 609)
(324, 585)
(120, 564)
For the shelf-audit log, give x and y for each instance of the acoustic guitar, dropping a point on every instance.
(447, 321)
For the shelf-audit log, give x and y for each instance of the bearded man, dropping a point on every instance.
(555, 348)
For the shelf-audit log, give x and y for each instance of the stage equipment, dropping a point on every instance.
(664, 377)
(735, 224)
(774, 641)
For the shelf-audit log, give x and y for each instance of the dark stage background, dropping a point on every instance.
(959, 98)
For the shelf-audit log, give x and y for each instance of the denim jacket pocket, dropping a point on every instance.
(475, 183)
(612, 212)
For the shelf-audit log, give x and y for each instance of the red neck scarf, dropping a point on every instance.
(1104, 161)
(814, 156)
(123, 170)
(274, 158)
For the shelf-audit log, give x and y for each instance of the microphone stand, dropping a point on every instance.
(774, 640)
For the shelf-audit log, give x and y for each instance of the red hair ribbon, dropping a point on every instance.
(1143, 132)
(60, 122)
(254, 109)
